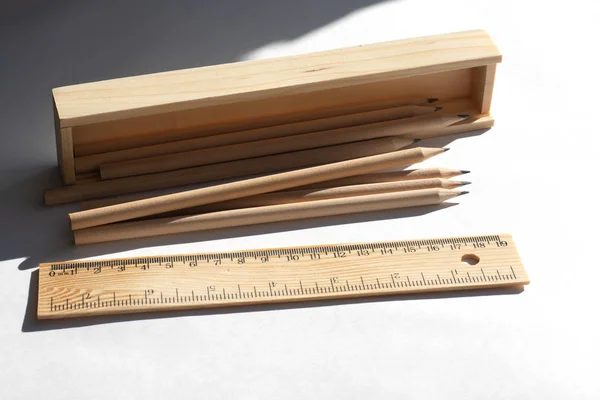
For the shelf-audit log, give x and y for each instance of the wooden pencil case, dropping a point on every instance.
(458, 68)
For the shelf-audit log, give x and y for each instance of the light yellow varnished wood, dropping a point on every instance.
(150, 110)
(182, 282)
(253, 80)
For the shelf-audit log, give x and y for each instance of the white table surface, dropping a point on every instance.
(534, 175)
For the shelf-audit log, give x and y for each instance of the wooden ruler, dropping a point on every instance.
(177, 282)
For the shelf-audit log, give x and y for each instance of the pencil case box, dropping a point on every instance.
(457, 68)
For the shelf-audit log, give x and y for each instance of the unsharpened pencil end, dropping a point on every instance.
(465, 171)
(445, 149)
(432, 100)
(463, 192)
(463, 115)
(438, 108)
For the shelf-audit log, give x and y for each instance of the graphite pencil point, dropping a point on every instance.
(417, 140)
(463, 115)
(464, 183)
(438, 108)
(465, 171)
(463, 192)
(446, 148)
(432, 100)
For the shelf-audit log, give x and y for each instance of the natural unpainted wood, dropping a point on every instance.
(483, 87)
(299, 196)
(66, 157)
(249, 187)
(377, 177)
(180, 105)
(216, 172)
(391, 176)
(261, 215)
(234, 117)
(302, 195)
(143, 284)
(476, 121)
(253, 80)
(275, 146)
(93, 162)
(87, 177)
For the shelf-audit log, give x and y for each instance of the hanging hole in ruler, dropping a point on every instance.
(470, 259)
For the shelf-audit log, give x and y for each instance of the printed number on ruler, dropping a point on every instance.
(81, 288)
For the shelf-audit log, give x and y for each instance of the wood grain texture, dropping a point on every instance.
(189, 281)
(93, 162)
(275, 146)
(253, 80)
(260, 215)
(234, 117)
(66, 156)
(483, 86)
(216, 172)
(249, 187)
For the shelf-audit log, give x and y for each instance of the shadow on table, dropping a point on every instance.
(70, 252)
(42, 234)
(32, 324)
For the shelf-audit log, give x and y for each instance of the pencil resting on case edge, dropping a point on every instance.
(105, 143)
(274, 146)
(93, 162)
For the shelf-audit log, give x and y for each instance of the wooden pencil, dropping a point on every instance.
(215, 172)
(273, 146)
(102, 139)
(93, 162)
(261, 215)
(377, 177)
(87, 177)
(391, 176)
(248, 187)
(299, 196)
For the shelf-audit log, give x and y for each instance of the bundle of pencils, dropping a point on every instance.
(306, 169)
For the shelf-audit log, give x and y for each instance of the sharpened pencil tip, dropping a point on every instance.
(464, 183)
(445, 149)
(416, 140)
(465, 171)
(438, 108)
(463, 192)
(432, 100)
(463, 115)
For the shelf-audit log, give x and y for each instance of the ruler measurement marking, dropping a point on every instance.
(273, 284)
